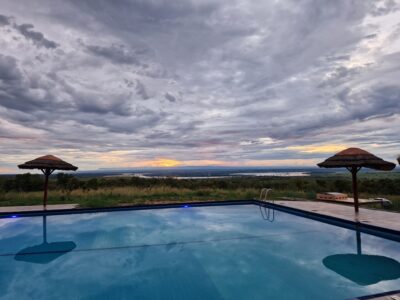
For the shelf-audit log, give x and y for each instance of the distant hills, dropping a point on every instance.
(201, 171)
(208, 171)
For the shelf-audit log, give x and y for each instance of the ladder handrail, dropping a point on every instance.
(266, 214)
(264, 194)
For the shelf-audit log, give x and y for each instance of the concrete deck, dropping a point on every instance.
(351, 201)
(25, 208)
(391, 297)
(385, 219)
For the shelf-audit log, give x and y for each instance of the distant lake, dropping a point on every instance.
(257, 174)
(279, 174)
(144, 175)
(212, 172)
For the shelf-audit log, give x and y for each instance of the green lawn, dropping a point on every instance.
(115, 196)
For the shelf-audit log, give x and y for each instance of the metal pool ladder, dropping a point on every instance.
(267, 213)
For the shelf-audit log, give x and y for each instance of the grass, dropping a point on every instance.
(395, 199)
(115, 196)
(134, 195)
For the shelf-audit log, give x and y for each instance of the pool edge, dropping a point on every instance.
(336, 221)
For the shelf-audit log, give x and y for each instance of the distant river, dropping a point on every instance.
(279, 174)
(258, 174)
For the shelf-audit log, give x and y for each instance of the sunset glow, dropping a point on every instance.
(330, 148)
(165, 162)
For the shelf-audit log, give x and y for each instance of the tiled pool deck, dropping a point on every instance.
(384, 219)
(27, 208)
(391, 297)
(385, 296)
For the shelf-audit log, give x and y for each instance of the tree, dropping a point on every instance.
(342, 185)
(8, 185)
(63, 180)
(321, 183)
(300, 184)
(92, 184)
(28, 182)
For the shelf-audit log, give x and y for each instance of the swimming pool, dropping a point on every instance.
(207, 252)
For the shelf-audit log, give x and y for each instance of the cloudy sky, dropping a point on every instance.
(132, 83)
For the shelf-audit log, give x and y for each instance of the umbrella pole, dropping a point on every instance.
(47, 173)
(354, 171)
(358, 241)
(44, 230)
(46, 185)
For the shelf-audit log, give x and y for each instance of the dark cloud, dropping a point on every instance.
(27, 31)
(377, 102)
(36, 37)
(9, 71)
(4, 20)
(147, 12)
(170, 97)
(14, 86)
(371, 36)
(98, 105)
(116, 53)
(221, 80)
(141, 90)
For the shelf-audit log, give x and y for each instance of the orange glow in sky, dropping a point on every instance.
(157, 162)
(328, 148)
(166, 162)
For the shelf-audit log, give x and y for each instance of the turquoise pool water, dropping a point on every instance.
(210, 252)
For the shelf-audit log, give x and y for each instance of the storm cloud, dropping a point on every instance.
(4, 20)
(115, 53)
(27, 31)
(37, 37)
(208, 82)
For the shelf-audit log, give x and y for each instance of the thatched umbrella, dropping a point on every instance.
(353, 159)
(47, 164)
(45, 252)
(363, 269)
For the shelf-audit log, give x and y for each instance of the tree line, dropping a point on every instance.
(67, 182)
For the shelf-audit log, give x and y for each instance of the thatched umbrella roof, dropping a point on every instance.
(363, 269)
(45, 252)
(48, 162)
(353, 159)
(356, 157)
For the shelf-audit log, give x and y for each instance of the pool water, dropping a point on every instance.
(209, 252)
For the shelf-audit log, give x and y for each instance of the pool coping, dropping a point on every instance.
(386, 233)
(353, 225)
